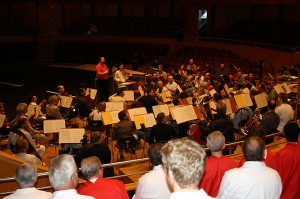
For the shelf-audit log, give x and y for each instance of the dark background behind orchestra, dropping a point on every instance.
(36, 80)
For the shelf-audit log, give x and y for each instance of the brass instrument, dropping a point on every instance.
(254, 120)
(201, 103)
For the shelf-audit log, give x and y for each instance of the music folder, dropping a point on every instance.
(243, 100)
(136, 111)
(70, 135)
(66, 101)
(261, 100)
(161, 108)
(2, 118)
(92, 92)
(184, 113)
(53, 126)
(230, 105)
(129, 95)
(110, 117)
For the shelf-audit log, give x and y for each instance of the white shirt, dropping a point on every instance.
(32, 193)
(153, 185)
(70, 193)
(253, 180)
(29, 157)
(96, 115)
(172, 86)
(116, 98)
(286, 113)
(200, 194)
(121, 77)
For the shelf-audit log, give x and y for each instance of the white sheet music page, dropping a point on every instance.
(161, 108)
(2, 118)
(53, 126)
(92, 92)
(129, 95)
(66, 101)
(114, 106)
(71, 135)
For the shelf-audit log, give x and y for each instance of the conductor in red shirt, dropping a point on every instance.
(102, 79)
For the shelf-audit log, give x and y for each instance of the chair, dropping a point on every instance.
(125, 144)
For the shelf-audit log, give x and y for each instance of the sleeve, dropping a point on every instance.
(151, 138)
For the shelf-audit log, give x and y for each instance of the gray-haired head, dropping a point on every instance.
(26, 175)
(63, 172)
(215, 141)
(90, 167)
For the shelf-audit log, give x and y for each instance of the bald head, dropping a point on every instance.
(253, 148)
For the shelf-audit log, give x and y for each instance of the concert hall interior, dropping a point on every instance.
(112, 78)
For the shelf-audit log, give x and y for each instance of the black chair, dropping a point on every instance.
(126, 144)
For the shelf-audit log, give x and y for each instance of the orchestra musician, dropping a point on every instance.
(172, 85)
(122, 75)
(5, 128)
(82, 104)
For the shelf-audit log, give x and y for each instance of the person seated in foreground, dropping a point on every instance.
(26, 177)
(21, 151)
(153, 184)
(63, 177)
(216, 165)
(254, 179)
(96, 185)
(184, 163)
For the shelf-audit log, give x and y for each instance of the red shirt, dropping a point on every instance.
(104, 188)
(213, 174)
(288, 162)
(270, 160)
(101, 68)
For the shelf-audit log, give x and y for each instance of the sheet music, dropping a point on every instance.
(53, 126)
(33, 110)
(147, 119)
(286, 88)
(184, 113)
(213, 106)
(166, 96)
(141, 91)
(110, 117)
(179, 89)
(71, 135)
(136, 111)
(261, 100)
(114, 106)
(246, 90)
(243, 100)
(92, 92)
(66, 101)
(212, 92)
(2, 118)
(228, 106)
(129, 95)
(227, 90)
(278, 88)
(161, 108)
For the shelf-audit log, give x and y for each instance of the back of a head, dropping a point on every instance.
(185, 158)
(102, 106)
(61, 169)
(122, 115)
(221, 109)
(271, 104)
(258, 130)
(90, 167)
(21, 107)
(253, 148)
(160, 117)
(283, 97)
(215, 141)
(291, 131)
(26, 175)
(21, 145)
(97, 136)
(154, 153)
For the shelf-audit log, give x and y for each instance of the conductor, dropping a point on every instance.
(102, 79)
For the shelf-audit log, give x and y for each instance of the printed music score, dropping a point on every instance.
(110, 117)
(161, 108)
(129, 95)
(33, 110)
(71, 135)
(53, 126)
(147, 119)
(2, 118)
(136, 111)
(184, 113)
(230, 105)
(92, 92)
(114, 106)
(166, 96)
(66, 101)
(243, 100)
(261, 100)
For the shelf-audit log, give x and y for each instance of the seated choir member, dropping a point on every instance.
(63, 177)
(26, 177)
(288, 161)
(184, 163)
(269, 157)
(216, 165)
(254, 179)
(162, 131)
(153, 184)
(97, 186)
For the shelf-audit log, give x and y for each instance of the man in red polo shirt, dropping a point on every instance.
(96, 185)
(288, 162)
(102, 78)
(216, 165)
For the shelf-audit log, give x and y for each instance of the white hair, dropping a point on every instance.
(26, 175)
(61, 169)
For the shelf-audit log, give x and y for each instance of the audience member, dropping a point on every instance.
(216, 165)
(97, 186)
(184, 163)
(26, 177)
(269, 157)
(288, 161)
(254, 179)
(153, 184)
(63, 177)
